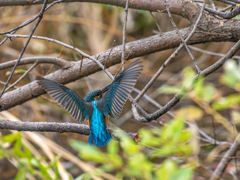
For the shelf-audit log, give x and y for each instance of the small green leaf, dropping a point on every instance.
(188, 77)
(190, 113)
(112, 147)
(169, 89)
(227, 102)
(129, 146)
(18, 71)
(88, 152)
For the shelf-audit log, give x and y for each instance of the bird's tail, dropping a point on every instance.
(99, 141)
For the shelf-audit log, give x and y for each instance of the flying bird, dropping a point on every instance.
(96, 108)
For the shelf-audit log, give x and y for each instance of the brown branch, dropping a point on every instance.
(153, 5)
(224, 162)
(149, 117)
(137, 48)
(225, 15)
(54, 127)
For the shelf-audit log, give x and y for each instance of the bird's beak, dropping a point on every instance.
(105, 89)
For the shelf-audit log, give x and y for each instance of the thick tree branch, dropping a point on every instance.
(54, 127)
(153, 5)
(229, 31)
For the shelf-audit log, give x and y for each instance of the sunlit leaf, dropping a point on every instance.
(235, 116)
(190, 113)
(148, 138)
(21, 175)
(18, 71)
(112, 147)
(84, 176)
(169, 89)
(227, 102)
(87, 151)
(182, 174)
(139, 166)
(166, 169)
(231, 76)
(128, 145)
(188, 77)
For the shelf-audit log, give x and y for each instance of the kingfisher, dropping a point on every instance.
(96, 108)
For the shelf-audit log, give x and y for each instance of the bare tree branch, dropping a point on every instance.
(54, 127)
(153, 5)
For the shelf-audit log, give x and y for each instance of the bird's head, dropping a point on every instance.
(96, 94)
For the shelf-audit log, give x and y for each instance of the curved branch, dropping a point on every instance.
(225, 15)
(30, 60)
(149, 117)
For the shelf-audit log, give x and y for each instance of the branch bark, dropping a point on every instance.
(153, 5)
(137, 48)
(54, 127)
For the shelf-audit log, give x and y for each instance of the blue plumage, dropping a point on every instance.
(95, 108)
(99, 134)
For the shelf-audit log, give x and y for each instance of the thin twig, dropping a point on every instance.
(225, 15)
(25, 46)
(149, 117)
(124, 34)
(224, 162)
(159, 29)
(144, 90)
(211, 53)
(23, 76)
(66, 46)
(183, 41)
(42, 59)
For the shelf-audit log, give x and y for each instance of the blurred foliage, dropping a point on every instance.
(12, 148)
(150, 159)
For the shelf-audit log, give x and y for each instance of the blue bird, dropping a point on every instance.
(95, 108)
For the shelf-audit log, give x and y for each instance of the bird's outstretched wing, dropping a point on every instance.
(116, 96)
(67, 98)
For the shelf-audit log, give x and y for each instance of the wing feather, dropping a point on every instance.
(116, 96)
(67, 98)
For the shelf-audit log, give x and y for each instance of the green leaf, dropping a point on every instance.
(169, 89)
(128, 145)
(18, 71)
(188, 77)
(231, 76)
(227, 102)
(190, 113)
(182, 174)
(88, 152)
(148, 138)
(139, 166)
(166, 169)
(21, 175)
(173, 130)
(112, 147)
(84, 176)
(10, 137)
